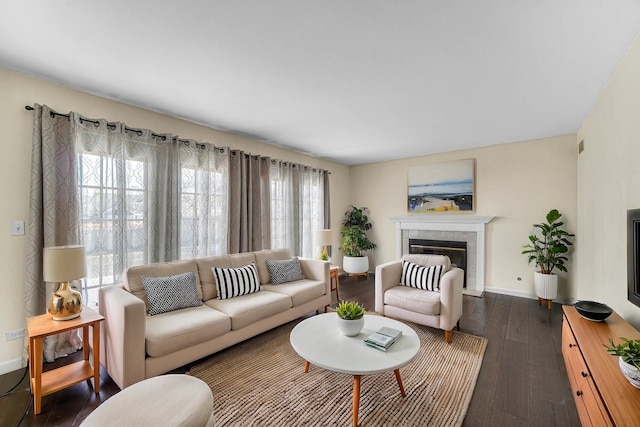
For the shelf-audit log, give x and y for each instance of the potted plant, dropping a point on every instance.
(548, 252)
(350, 318)
(355, 241)
(629, 361)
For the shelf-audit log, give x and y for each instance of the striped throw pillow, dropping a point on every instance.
(421, 276)
(233, 282)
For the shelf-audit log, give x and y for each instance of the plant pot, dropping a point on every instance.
(546, 285)
(355, 265)
(350, 328)
(630, 372)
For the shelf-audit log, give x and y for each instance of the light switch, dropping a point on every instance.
(17, 228)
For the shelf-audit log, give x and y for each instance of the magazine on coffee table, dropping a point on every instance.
(383, 338)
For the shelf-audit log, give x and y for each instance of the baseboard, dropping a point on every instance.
(10, 366)
(521, 294)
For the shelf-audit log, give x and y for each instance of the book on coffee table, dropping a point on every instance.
(383, 338)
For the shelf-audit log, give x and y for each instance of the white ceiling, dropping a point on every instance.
(354, 81)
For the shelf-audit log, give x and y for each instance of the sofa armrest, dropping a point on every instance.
(316, 269)
(451, 285)
(387, 276)
(122, 347)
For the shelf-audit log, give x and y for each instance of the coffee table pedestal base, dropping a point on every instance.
(356, 391)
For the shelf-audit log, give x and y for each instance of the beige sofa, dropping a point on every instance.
(441, 309)
(135, 346)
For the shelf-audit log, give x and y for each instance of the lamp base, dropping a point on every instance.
(66, 303)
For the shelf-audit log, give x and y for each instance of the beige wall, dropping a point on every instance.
(609, 184)
(18, 90)
(517, 182)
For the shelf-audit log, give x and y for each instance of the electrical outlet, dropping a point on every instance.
(17, 334)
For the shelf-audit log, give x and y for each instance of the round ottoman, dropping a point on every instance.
(167, 400)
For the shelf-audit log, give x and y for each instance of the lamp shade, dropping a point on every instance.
(63, 263)
(324, 237)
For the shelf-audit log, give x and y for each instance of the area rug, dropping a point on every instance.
(261, 382)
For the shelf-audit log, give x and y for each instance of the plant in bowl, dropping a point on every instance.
(629, 361)
(548, 251)
(350, 318)
(350, 310)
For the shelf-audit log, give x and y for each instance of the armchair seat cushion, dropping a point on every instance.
(412, 299)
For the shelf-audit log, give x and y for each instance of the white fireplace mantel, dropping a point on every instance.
(449, 222)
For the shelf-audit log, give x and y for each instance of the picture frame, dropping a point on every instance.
(441, 187)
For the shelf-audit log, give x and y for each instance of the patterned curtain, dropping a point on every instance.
(204, 184)
(53, 214)
(249, 208)
(129, 199)
(297, 206)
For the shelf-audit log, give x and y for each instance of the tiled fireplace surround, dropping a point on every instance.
(453, 227)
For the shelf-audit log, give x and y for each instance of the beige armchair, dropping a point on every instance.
(435, 309)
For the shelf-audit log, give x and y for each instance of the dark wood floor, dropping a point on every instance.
(522, 381)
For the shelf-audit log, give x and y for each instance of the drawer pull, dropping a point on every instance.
(570, 345)
(578, 393)
(584, 374)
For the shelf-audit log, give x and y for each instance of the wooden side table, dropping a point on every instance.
(334, 271)
(44, 383)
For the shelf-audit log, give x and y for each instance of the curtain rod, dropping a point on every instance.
(97, 123)
(139, 132)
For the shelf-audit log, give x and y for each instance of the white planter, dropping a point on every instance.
(355, 265)
(546, 285)
(350, 328)
(630, 372)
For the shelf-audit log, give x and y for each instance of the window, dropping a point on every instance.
(113, 225)
(203, 228)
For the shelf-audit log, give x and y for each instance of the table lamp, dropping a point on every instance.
(324, 238)
(64, 264)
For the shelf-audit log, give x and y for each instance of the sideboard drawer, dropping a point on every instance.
(589, 404)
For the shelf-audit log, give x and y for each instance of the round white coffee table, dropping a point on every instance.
(318, 340)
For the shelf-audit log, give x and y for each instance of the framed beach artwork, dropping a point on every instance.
(441, 187)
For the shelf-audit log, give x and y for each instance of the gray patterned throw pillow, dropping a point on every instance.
(171, 293)
(285, 270)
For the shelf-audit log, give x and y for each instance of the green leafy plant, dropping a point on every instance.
(350, 310)
(549, 251)
(628, 350)
(354, 232)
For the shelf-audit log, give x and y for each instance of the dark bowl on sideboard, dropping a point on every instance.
(593, 310)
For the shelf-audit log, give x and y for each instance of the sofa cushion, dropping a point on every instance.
(132, 277)
(179, 329)
(248, 309)
(234, 282)
(171, 292)
(420, 276)
(261, 261)
(284, 270)
(300, 291)
(206, 265)
(412, 299)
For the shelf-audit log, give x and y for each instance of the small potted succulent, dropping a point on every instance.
(629, 361)
(350, 318)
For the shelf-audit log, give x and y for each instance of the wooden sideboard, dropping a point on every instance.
(602, 394)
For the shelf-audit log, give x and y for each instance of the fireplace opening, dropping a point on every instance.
(456, 251)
